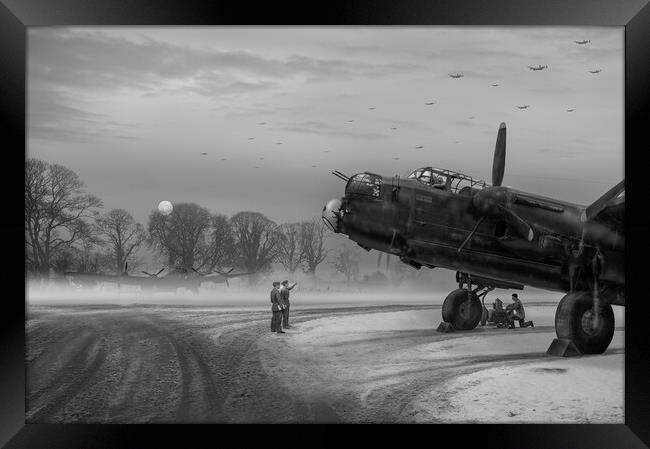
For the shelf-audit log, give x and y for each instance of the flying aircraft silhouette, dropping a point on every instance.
(372, 109)
(570, 110)
(396, 159)
(393, 128)
(470, 118)
(539, 67)
(419, 147)
(581, 42)
(495, 85)
(262, 123)
(524, 106)
(278, 143)
(204, 154)
(251, 138)
(457, 75)
(350, 121)
(430, 103)
(595, 71)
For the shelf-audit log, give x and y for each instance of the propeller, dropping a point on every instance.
(496, 201)
(499, 162)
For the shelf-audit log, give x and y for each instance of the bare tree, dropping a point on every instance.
(182, 235)
(221, 250)
(289, 252)
(123, 234)
(256, 240)
(56, 210)
(312, 244)
(347, 263)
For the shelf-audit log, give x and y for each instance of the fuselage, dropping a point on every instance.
(426, 225)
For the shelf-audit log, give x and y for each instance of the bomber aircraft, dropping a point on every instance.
(539, 67)
(595, 71)
(526, 106)
(179, 277)
(581, 42)
(495, 237)
(457, 75)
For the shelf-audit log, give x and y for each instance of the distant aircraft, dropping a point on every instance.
(595, 71)
(224, 159)
(457, 75)
(314, 166)
(261, 159)
(430, 103)
(581, 42)
(419, 147)
(204, 154)
(524, 106)
(570, 110)
(396, 159)
(495, 85)
(372, 109)
(539, 67)
(350, 121)
(470, 118)
(251, 138)
(393, 128)
(278, 143)
(326, 151)
(262, 123)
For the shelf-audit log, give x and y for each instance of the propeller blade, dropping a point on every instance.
(517, 223)
(597, 206)
(499, 162)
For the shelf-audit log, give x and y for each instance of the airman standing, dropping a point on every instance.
(276, 309)
(284, 294)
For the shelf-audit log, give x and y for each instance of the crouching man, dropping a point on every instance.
(515, 312)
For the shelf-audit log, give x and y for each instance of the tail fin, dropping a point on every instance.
(601, 203)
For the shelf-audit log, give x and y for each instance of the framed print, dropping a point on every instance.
(356, 213)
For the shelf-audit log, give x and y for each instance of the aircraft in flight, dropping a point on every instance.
(430, 103)
(457, 75)
(581, 42)
(539, 67)
(570, 110)
(595, 71)
(495, 85)
(495, 237)
(526, 106)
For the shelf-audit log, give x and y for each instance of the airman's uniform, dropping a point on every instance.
(276, 309)
(284, 294)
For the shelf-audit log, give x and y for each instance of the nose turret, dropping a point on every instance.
(332, 214)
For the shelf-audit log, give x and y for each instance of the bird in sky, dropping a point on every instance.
(539, 67)
(430, 103)
(570, 110)
(419, 147)
(595, 71)
(524, 106)
(456, 75)
(495, 85)
(581, 42)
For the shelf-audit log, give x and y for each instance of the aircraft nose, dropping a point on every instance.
(331, 214)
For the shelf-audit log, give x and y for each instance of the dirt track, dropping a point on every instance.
(170, 364)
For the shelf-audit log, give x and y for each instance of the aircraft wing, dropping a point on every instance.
(609, 209)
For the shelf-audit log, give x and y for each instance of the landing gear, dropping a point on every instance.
(462, 308)
(588, 325)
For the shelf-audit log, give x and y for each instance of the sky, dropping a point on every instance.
(130, 110)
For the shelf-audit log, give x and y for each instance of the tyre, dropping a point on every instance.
(590, 328)
(462, 309)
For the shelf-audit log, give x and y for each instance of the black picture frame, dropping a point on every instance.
(17, 15)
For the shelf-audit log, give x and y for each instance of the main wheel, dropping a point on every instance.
(462, 309)
(590, 328)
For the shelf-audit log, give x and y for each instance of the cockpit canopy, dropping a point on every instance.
(447, 180)
(364, 184)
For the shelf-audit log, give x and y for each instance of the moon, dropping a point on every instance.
(165, 207)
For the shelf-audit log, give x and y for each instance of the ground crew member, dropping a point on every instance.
(276, 309)
(284, 294)
(515, 311)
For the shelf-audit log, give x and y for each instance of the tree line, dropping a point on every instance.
(66, 229)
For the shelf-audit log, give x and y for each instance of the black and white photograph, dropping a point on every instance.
(325, 224)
